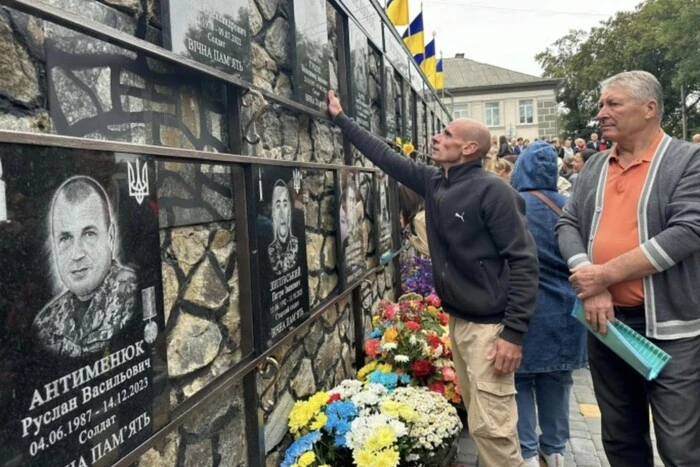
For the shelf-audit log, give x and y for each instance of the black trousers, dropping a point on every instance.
(624, 397)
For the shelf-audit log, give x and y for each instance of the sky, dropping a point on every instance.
(508, 33)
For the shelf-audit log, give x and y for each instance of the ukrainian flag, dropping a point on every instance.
(428, 66)
(439, 75)
(397, 11)
(413, 36)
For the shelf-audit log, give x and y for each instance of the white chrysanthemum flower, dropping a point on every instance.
(412, 340)
(401, 358)
(390, 346)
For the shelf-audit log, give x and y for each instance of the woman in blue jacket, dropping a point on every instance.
(555, 343)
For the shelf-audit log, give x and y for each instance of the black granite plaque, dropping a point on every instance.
(281, 238)
(213, 32)
(416, 78)
(368, 18)
(384, 215)
(409, 105)
(82, 341)
(311, 69)
(396, 52)
(421, 140)
(359, 64)
(351, 209)
(389, 99)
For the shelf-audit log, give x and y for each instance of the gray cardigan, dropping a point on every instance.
(668, 216)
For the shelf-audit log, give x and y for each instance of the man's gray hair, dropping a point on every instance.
(642, 85)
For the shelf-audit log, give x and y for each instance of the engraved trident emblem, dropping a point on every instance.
(296, 175)
(138, 181)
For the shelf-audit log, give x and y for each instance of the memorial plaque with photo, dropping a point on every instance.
(389, 99)
(281, 237)
(213, 32)
(409, 105)
(384, 223)
(82, 344)
(396, 52)
(351, 209)
(368, 17)
(311, 69)
(359, 64)
(421, 140)
(416, 78)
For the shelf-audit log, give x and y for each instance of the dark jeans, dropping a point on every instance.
(624, 397)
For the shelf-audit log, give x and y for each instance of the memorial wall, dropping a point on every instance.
(181, 257)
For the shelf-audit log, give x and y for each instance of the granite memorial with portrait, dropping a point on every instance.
(281, 245)
(359, 64)
(312, 49)
(384, 223)
(351, 213)
(82, 343)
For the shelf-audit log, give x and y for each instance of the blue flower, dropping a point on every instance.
(388, 380)
(299, 447)
(376, 333)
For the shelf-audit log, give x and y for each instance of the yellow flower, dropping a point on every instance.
(367, 369)
(407, 148)
(398, 141)
(385, 367)
(364, 458)
(375, 320)
(432, 310)
(390, 335)
(306, 459)
(387, 458)
(385, 437)
(319, 422)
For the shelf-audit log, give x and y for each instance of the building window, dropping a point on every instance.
(461, 111)
(493, 114)
(526, 112)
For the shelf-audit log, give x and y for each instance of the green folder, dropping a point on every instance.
(628, 344)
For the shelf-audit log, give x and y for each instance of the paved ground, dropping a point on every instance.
(584, 449)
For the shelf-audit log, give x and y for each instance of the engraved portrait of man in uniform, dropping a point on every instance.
(284, 249)
(98, 296)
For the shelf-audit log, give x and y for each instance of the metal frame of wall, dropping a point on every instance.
(244, 372)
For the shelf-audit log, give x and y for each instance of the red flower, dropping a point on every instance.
(413, 326)
(373, 348)
(434, 300)
(334, 397)
(444, 318)
(422, 368)
(434, 341)
(438, 386)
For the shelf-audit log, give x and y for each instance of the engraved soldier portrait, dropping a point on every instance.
(97, 295)
(284, 249)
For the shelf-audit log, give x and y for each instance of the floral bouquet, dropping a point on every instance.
(417, 275)
(368, 425)
(409, 345)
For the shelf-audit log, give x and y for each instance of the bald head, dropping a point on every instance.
(471, 130)
(696, 138)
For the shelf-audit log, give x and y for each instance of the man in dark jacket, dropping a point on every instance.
(484, 267)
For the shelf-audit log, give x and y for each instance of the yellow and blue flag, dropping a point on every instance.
(397, 11)
(439, 75)
(428, 65)
(413, 36)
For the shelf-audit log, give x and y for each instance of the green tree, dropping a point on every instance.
(660, 36)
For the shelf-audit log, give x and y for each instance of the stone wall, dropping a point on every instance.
(61, 82)
(547, 119)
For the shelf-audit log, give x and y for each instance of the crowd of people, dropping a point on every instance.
(513, 248)
(572, 155)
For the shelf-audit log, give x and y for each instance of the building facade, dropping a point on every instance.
(508, 102)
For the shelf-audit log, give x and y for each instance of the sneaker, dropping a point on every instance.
(553, 460)
(533, 461)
